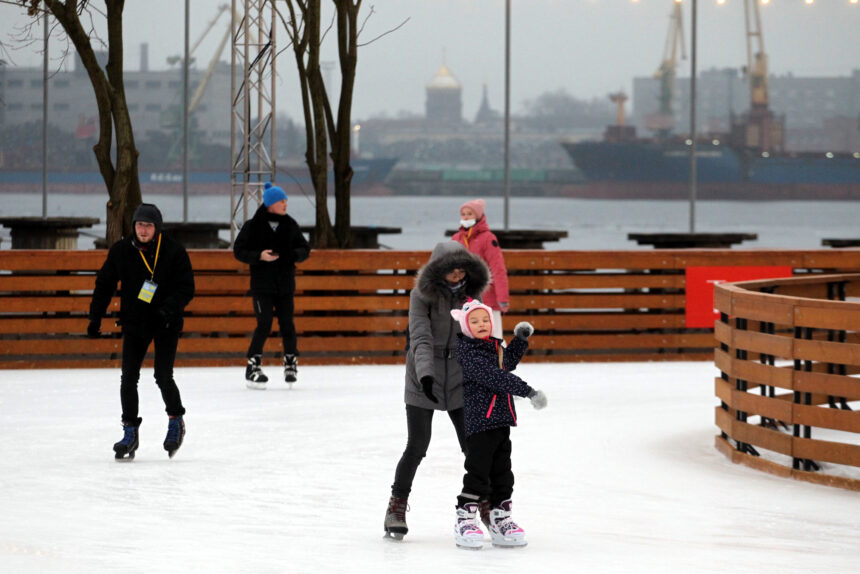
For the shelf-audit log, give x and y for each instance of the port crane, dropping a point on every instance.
(172, 119)
(663, 122)
(759, 129)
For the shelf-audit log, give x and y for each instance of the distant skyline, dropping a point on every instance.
(587, 48)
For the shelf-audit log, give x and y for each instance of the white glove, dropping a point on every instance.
(538, 400)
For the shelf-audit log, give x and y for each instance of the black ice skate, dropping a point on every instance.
(124, 449)
(175, 434)
(395, 518)
(291, 369)
(254, 377)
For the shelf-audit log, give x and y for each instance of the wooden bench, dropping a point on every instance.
(352, 306)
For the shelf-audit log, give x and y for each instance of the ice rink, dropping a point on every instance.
(618, 474)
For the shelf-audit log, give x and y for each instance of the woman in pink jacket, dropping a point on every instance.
(475, 234)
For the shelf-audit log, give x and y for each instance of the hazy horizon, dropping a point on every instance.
(586, 48)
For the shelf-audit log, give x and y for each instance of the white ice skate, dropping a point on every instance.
(467, 532)
(504, 532)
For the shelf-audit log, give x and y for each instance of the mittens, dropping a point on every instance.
(427, 386)
(523, 330)
(538, 399)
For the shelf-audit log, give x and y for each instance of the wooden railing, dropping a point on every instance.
(789, 356)
(352, 306)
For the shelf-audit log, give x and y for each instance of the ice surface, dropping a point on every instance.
(617, 474)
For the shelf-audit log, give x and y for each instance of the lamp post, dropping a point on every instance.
(693, 118)
(507, 111)
(45, 116)
(185, 121)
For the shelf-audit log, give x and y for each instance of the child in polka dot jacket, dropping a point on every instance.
(489, 412)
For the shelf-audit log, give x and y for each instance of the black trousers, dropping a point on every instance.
(134, 346)
(488, 467)
(265, 305)
(419, 425)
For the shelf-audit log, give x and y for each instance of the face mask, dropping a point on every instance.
(467, 223)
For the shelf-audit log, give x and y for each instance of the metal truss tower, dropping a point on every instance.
(252, 120)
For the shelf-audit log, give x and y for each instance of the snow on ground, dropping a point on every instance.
(618, 474)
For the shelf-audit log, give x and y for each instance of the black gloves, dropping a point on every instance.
(93, 328)
(427, 386)
(523, 330)
(165, 318)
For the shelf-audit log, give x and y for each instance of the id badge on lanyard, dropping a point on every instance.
(147, 291)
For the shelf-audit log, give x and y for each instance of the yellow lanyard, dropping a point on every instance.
(154, 263)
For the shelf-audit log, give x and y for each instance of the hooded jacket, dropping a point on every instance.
(271, 277)
(432, 331)
(479, 240)
(124, 263)
(487, 388)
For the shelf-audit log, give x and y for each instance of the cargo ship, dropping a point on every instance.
(660, 169)
(368, 178)
(749, 162)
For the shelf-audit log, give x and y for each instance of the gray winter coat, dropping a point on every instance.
(432, 330)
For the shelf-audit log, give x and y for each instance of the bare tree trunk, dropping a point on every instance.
(304, 33)
(120, 177)
(341, 129)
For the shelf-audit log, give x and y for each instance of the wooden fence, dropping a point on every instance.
(789, 356)
(352, 306)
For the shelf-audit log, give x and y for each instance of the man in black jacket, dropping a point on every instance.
(157, 284)
(272, 243)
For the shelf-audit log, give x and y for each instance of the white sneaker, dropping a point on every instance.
(503, 530)
(467, 533)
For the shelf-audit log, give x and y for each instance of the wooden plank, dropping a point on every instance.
(723, 390)
(623, 341)
(738, 257)
(827, 384)
(19, 283)
(827, 352)
(595, 321)
(106, 346)
(756, 373)
(755, 404)
(556, 282)
(827, 451)
(762, 437)
(840, 316)
(598, 301)
(825, 417)
(51, 260)
(754, 342)
(763, 307)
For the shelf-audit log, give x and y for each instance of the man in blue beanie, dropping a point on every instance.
(272, 243)
(157, 283)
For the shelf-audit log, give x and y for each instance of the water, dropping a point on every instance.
(591, 224)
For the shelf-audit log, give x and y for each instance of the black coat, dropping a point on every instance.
(173, 275)
(257, 235)
(487, 389)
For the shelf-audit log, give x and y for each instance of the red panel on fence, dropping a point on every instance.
(700, 310)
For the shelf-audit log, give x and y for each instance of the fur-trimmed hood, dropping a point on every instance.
(447, 256)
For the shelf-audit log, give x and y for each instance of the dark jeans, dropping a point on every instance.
(264, 305)
(134, 346)
(488, 467)
(419, 424)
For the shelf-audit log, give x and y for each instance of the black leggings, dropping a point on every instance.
(419, 423)
(264, 305)
(134, 346)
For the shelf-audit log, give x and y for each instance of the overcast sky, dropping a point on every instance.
(585, 47)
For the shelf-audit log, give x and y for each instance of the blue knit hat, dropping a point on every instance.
(272, 194)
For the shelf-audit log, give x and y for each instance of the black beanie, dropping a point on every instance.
(149, 213)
